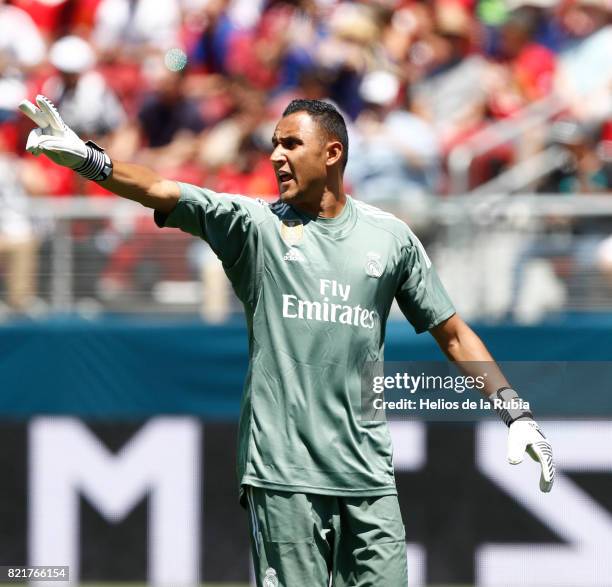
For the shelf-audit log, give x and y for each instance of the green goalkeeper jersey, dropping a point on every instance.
(316, 293)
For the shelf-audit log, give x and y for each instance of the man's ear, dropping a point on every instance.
(334, 152)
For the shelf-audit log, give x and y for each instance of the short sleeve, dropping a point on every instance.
(420, 293)
(224, 221)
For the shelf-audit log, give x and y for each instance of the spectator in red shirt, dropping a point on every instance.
(532, 64)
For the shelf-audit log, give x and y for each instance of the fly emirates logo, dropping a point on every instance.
(333, 306)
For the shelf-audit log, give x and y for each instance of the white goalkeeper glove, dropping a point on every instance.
(57, 141)
(525, 435)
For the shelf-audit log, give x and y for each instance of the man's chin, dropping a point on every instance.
(288, 195)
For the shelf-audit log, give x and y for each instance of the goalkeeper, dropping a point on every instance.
(317, 273)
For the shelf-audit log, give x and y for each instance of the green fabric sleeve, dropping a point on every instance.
(223, 221)
(420, 295)
(228, 223)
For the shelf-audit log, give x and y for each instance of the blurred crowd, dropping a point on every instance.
(194, 88)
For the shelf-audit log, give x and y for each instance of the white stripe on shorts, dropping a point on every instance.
(254, 523)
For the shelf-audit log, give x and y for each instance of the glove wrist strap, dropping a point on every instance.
(97, 166)
(510, 408)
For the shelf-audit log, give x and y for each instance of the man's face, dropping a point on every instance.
(299, 158)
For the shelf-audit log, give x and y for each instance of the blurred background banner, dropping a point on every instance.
(125, 369)
(484, 124)
(156, 501)
(97, 479)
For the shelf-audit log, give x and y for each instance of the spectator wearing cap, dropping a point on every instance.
(395, 154)
(87, 104)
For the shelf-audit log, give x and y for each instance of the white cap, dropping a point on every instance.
(379, 87)
(72, 54)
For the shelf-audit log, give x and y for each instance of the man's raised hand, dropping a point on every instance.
(56, 140)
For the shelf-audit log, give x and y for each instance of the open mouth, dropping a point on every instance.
(284, 177)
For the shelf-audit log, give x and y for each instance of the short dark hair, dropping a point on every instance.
(328, 117)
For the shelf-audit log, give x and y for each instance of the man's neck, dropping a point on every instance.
(329, 206)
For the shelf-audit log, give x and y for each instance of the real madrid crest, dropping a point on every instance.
(374, 267)
(270, 580)
(292, 232)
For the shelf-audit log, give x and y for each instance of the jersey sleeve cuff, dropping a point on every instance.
(160, 218)
(163, 220)
(437, 319)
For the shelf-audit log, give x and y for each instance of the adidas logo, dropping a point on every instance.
(294, 255)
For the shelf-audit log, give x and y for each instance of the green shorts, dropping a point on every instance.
(303, 540)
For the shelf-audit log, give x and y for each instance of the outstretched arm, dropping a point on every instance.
(56, 140)
(462, 345)
(226, 222)
(141, 184)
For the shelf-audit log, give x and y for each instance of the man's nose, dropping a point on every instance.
(277, 155)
